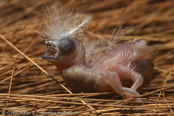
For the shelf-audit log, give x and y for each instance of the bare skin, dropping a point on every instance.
(123, 69)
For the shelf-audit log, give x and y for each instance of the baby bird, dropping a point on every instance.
(122, 69)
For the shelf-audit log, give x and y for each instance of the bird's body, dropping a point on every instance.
(122, 69)
(125, 59)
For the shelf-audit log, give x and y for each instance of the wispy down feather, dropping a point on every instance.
(98, 46)
(61, 24)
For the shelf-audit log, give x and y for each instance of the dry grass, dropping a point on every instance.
(30, 84)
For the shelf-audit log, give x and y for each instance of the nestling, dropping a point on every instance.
(122, 69)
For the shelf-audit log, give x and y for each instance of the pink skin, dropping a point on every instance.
(128, 63)
(123, 69)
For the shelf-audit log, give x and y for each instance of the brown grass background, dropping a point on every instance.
(27, 82)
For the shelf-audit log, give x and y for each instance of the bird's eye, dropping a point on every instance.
(66, 45)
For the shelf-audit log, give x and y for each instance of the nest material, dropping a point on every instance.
(29, 84)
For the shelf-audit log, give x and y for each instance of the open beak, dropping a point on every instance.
(52, 52)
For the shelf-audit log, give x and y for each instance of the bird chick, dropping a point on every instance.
(122, 69)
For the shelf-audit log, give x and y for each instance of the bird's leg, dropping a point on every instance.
(137, 79)
(114, 81)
